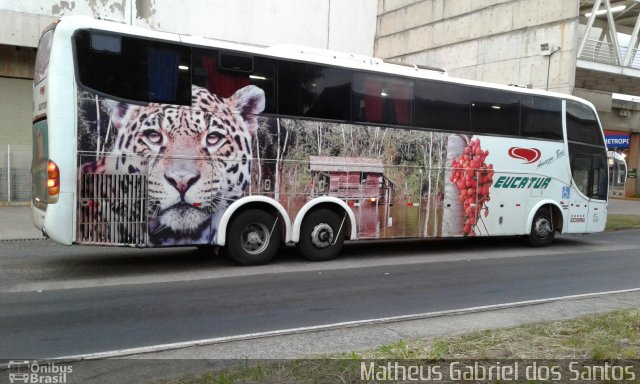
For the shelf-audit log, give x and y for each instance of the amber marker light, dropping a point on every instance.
(53, 181)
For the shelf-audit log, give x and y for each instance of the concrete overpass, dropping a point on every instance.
(608, 70)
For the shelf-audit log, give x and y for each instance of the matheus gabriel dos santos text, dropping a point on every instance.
(498, 371)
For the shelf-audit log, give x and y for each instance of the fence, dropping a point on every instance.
(604, 52)
(15, 173)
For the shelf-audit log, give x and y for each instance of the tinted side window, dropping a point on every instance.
(600, 178)
(541, 117)
(42, 57)
(134, 69)
(442, 106)
(589, 170)
(313, 91)
(582, 124)
(224, 73)
(581, 169)
(382, 99)
(495, 111)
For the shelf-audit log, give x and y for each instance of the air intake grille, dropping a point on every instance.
(112, 209)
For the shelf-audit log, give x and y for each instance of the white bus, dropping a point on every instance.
(149, 139)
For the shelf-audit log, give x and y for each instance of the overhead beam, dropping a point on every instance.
(632, 43)
(612, 31)
(592, 19)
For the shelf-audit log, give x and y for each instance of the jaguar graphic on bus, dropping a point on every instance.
(149, 139)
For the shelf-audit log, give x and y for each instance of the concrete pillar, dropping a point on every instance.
(632, 186)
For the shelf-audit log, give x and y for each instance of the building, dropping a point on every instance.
(587, 48)
(352, 178)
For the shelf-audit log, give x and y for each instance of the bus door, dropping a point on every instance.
(588, 204)
(598, 204)
(579, 202)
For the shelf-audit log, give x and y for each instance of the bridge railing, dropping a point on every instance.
(604, 52)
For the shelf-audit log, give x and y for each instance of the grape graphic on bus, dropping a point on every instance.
(473, 178)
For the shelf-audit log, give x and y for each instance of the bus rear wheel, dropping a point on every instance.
(321, 235)
(542, 231)
(253, 238)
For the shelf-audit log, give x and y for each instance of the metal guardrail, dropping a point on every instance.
(599, 52)
(15, 173)
(604, 52)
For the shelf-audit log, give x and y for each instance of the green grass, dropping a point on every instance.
(615, 335)
(623, 221)
(610, 336)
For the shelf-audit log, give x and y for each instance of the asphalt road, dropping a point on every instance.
(60, 301)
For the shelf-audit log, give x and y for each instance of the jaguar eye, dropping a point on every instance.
(153, 136)
(213, 138)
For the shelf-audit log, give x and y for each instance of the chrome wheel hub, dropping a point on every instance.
(255, 238)
(543, 227)
(322, 235)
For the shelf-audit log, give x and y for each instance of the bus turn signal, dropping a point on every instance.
(53, 181)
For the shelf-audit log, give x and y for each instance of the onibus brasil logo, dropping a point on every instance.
(25, 371)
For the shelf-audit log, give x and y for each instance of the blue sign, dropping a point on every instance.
(566, 192)
(617, 141)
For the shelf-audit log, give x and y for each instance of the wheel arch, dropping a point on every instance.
(328, 202)
(557, 215)
(253, 202)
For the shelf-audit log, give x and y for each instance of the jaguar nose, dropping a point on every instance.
(182, 180)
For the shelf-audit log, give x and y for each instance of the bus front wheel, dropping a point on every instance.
(253, 237)
(542, 231)
(322, 235)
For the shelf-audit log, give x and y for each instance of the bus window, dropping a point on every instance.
(134, 69)
(541, 117)
(313, 91)
(264, 77)
(581, 166)
(589, 170)
(209, 74)
(600, 178)
(42, 57)
(236, 62)
(224, 73)
(442, 106)
(380, 99)
(495, 111)
(582, 125)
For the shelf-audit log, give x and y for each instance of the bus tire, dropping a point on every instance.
(253, 237)
(542, 231)
(321, 235)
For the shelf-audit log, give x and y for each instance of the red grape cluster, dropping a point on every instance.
(473, 178)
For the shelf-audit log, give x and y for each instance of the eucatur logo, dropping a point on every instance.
(529, 155)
